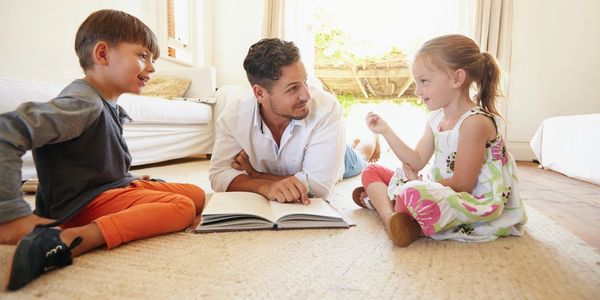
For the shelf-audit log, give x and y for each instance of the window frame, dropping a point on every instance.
(166, 42)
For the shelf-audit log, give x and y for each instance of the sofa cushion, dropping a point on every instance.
(144, 109)
(14, 92)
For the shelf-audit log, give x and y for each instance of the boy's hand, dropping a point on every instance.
(376, 124)
(290, 189)
(13, 231)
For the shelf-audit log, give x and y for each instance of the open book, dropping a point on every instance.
(232, 211)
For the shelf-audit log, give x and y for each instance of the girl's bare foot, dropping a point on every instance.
(402, 229)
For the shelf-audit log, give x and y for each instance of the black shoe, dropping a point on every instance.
(40, 251)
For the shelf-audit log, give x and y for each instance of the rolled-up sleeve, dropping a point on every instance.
(226, 148)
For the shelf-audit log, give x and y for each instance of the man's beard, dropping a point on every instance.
(295, 117)
(300, 117)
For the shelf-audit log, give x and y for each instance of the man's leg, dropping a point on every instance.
(354, 163)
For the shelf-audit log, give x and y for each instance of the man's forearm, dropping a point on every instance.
(245, 183)
(266, 176)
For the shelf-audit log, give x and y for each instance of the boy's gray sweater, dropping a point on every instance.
(78, 149)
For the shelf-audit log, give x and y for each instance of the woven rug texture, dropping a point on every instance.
(356, 263)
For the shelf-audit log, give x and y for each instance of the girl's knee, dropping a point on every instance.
(373, 173)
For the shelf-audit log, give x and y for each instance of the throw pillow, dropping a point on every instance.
(166, 87)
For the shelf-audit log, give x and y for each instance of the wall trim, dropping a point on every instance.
(521, 150)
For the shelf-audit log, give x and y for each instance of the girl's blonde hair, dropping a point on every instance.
(453, 52)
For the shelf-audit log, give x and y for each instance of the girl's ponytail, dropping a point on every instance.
(489, 85)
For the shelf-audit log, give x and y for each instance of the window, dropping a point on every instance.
(178, 36)
(362, 55)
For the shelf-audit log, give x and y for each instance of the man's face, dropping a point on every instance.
(289, 95)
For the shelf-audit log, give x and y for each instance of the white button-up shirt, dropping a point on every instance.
(312, 149)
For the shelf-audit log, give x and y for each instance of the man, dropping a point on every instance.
(287, 142)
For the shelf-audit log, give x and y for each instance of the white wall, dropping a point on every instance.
(37, 37)
(237, 25)
(554, 66)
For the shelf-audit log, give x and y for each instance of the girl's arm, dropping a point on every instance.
(415, 159)
(425, 148)
(475, 131)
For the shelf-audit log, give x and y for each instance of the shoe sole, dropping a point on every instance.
(24, 246)
(356, 196)
(403, 229)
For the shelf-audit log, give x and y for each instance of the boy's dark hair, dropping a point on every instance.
(265, 59)
(112, 27)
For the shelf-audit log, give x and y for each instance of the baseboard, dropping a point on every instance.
(521, 150)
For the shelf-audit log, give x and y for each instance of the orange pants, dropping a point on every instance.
(140, 210)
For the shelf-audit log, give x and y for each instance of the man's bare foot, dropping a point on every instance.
(402, 229)
(376, 151)
(370, 149)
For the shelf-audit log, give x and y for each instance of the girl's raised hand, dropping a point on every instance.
(376, 124)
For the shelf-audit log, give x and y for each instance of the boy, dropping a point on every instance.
(82, 160)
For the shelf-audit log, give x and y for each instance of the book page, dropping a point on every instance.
(239, 203)
(318, 208)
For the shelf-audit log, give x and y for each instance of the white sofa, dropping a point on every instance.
(161, 129)
(569, 145)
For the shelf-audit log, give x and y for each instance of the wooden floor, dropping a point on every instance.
(573, 204)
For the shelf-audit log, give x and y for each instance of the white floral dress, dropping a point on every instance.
(493, 209)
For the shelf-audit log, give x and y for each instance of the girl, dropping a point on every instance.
(473, 193)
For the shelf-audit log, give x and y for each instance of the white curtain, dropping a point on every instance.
(274, 26)
(493, 29)
(292, 20)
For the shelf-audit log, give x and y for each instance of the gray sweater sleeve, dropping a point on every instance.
(34, 125)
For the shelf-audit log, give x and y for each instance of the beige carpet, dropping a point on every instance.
(355, 263)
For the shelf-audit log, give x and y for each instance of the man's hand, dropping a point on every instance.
(242, 163)
(290, 189)
(12, 231)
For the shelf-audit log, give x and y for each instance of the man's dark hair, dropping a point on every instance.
(112, 27)
(265, 59)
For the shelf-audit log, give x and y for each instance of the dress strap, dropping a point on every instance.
(477, 110)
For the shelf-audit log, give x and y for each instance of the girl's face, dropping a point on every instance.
(434, 86)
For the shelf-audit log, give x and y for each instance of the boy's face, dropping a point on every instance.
(129, 67)
(289, 95)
